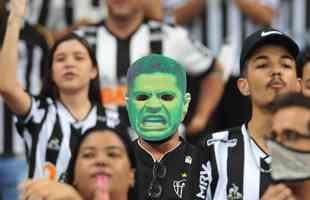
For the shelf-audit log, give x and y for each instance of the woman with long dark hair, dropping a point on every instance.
(68, 105)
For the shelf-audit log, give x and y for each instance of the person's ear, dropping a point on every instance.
(243, 86)
(299, 85)
(94, 72)
(187, 100)
(131, 178)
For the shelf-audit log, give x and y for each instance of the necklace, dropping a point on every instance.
(261, 169)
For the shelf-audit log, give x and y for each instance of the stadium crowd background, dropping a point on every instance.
(221, 25)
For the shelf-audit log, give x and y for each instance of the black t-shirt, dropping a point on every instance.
(183, 173)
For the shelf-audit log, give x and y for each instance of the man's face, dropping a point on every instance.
(271, 71)
(290, 124)
(306, 80)
(124, 8)
(156, 106)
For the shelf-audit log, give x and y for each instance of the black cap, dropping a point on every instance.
(263, 37)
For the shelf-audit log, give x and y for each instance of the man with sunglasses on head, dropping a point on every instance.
(290, 148)
(168, 167)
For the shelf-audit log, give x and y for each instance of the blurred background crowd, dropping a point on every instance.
(219, 25)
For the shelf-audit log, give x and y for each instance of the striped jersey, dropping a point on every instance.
(243, 168)
(32, 49)
(51, 132)
(115, 55)
(222, 22)
(294, 19)
(58, 14)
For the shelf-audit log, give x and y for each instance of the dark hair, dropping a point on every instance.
(303, 59)
(155, 63)
(120, 131)
(49, 89)
(290, 100)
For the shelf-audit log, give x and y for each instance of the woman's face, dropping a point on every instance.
(72, 67)
(103, 155)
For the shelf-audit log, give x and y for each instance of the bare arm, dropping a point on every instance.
(258, 12)
(10, 88)
(185, 13)
(210, 94)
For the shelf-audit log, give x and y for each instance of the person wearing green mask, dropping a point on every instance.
(157, 103)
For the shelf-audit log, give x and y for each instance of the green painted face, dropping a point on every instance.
(156, 106)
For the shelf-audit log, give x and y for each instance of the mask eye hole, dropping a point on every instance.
(142, 97)
(167, 97)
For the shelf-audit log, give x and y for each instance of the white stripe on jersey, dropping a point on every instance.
(221, 164)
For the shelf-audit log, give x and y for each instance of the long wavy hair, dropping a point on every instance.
(49, 88)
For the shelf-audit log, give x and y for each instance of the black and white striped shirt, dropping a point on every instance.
(51, 133)
(32, 51)
(58, 14)
(115, 55)
(243, 168)
(223, 22)
(294, 19)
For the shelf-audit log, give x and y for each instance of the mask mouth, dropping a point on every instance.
(154, 121)
(288, 164)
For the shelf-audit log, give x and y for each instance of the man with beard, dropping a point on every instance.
(168, 168)
(290, 149)
(268, 69)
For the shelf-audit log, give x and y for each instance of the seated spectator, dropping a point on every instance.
(102, 168)
(290, 148)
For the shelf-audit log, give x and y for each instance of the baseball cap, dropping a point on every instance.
(263, 37)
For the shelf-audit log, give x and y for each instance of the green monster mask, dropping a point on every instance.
(156, 99)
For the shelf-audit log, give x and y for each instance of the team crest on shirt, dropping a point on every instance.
(233, 193)
(178, 187)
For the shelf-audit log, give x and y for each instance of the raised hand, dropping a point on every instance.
(47, 190)
(18, 8)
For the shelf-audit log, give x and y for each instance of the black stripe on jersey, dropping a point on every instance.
(74, 138)
(44, 12)
(123, 56)
(69, 11)
(214, 169)
(54, 143)
(265, 178)
(235, 164)
(204, 28)
(307, 7)
(8, 135)
(156, 39)
(30, 48)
